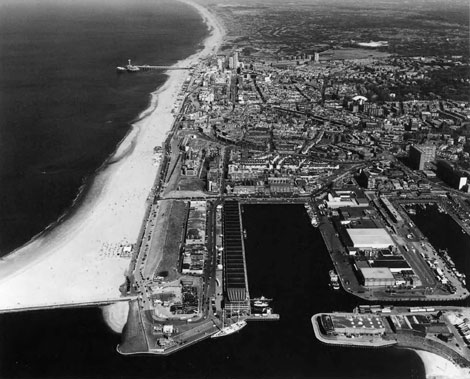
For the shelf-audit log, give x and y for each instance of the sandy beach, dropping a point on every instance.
(80, 260)
(437, 367)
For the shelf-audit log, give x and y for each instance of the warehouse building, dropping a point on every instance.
(370, 238)
(352, 324)
(376, 276)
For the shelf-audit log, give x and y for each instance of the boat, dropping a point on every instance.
(334, 280)
(261, 302)
(315, 220)
(233, 328)
(333, 275)
(120, 69)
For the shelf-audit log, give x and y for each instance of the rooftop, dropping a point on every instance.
(370, 237)
(348, 320)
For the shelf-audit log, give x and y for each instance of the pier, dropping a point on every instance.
(136, 68)
(147, 67)
(236, 294)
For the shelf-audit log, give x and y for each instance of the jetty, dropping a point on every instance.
(439, 330)
(135, 68)
(147, 67)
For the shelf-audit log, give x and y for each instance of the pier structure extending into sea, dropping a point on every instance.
(236, 294)
(147, 67)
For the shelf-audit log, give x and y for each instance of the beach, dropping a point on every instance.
(437, 367)
(81, 259)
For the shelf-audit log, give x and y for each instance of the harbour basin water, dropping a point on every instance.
(286, 260)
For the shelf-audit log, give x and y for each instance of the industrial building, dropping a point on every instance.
(352, 324)
(377, 276)
(370, 238)
(346, 198)
(393, 213)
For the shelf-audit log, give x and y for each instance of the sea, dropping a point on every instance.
(63, 106)
(63, 111)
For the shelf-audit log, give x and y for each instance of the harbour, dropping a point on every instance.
(235, 200)
(283, 256)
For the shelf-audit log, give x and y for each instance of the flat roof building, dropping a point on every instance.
(370, 238)
(377, 276)
(350, 323)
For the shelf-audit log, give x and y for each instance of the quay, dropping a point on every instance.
(439, 330)
(337, 329)
(433, 279)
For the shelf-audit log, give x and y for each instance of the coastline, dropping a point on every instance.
(436, 366)
(77, 260)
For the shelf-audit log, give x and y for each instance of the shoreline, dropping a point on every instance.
(76, 259)
(436, 366)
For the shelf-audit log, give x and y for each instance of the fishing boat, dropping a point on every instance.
(411, 211)
(333, 275)
(334, 280)
(314, 219)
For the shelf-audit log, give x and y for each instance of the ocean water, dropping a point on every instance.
(286, 260)
(63, 107)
